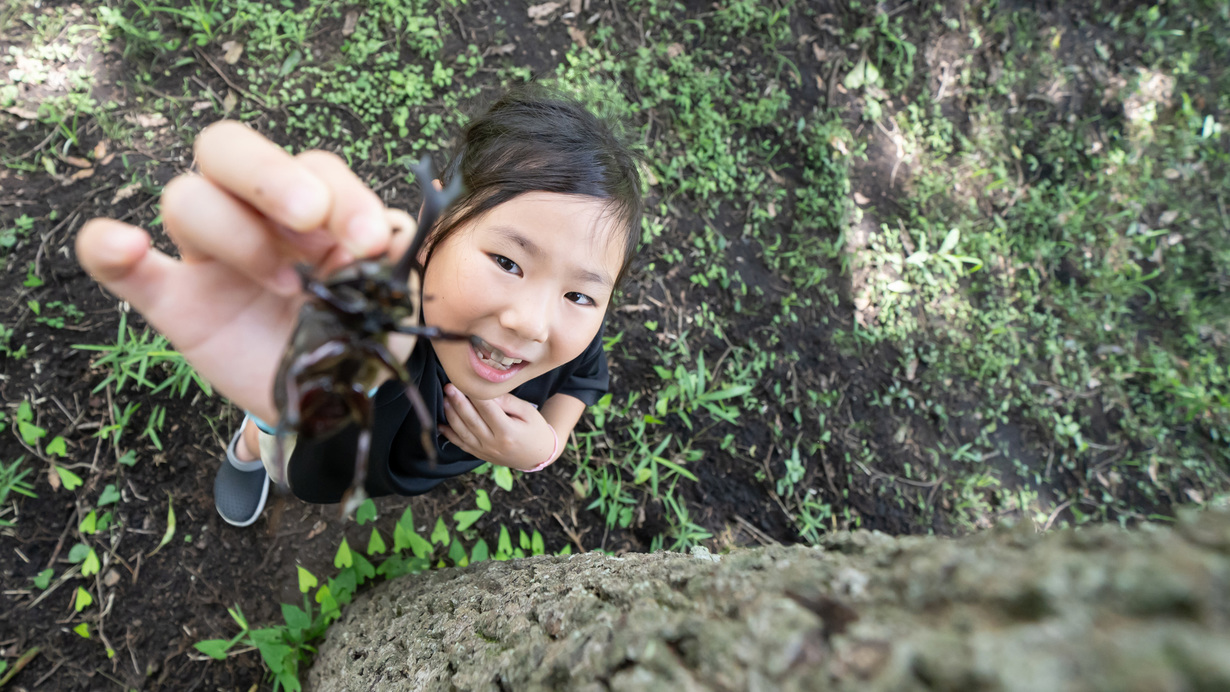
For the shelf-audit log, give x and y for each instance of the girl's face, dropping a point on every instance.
(532, 278)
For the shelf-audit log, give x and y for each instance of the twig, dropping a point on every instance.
(72, 572)
(38, 146)
(39, 683)
(1049, 520)
(572, 535)
(898, 479)
(759, 535)
(228, 81)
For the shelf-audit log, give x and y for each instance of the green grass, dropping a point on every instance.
(13, 480)
(996, 289)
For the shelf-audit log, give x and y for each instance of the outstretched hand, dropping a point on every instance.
(230, 302)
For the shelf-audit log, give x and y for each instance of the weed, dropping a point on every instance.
(9, 236)
(132, 357)
(13, 480)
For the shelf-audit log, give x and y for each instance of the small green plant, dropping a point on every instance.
(13, 480)
(19, 230)
(686, 391)
(287, 648)
(6, 345)
(134, 356)
(29, 432)
(57, 321)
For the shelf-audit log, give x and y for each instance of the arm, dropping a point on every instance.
(508, 431)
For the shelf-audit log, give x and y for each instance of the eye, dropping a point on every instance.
(579, 298)
(506, 264)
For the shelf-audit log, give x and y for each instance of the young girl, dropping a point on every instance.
(526, 259)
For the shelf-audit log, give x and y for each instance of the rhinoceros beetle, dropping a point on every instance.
(339, 347)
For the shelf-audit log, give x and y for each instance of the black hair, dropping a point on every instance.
(535, 140)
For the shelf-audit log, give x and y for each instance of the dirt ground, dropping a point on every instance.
(158, 603)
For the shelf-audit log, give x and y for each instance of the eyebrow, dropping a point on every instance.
(584, 275)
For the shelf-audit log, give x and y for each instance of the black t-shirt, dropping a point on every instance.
(322, 470)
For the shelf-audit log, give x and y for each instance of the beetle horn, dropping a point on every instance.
(434, 203)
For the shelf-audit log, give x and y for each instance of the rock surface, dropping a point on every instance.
(1094, 609)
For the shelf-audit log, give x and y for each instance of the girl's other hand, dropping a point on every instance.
(505, 430)
(230, 301)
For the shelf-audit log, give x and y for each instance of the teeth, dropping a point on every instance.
(495, 357)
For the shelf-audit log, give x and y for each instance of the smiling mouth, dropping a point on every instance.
(493, 357)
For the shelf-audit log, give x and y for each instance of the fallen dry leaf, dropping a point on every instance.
(861, 199)
(79, 175)
(1168, 217)
(125, 192)
(776, 178)
(106, 159)
(100, 149)
(578, 37)
(233, 49)
(22, 113)
(576, 5)
(53, 478)
(506, 49)
(839, 145)
(820, 53)
(147, 119)
(230, 101)
(317, 529)
(201, 106)
(539, 13)
(76, 161)
(674, 50)
(352, 20)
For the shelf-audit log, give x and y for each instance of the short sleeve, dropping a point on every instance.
(589, 377)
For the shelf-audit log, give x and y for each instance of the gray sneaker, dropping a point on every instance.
(241, 487)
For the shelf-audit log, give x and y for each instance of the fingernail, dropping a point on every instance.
(366, 233)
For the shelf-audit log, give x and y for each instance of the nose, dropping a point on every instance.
(527, 314)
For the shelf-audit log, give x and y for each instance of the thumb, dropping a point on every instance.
(119, 257)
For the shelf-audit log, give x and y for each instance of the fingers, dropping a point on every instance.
(313, 190)
(207, 223)
(513, 407)
(463, 416)
(261, 173)
(357, 217)
(186, 302)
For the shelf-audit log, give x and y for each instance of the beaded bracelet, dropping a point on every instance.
(551, 457)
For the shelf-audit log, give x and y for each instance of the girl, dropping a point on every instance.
(526, 259)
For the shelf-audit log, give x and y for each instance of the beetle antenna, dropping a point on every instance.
(434, 202)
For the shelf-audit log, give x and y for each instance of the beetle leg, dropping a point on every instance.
(426, 424)
(381, 353)
(357, 493)
(361, 406)
(327, 296)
